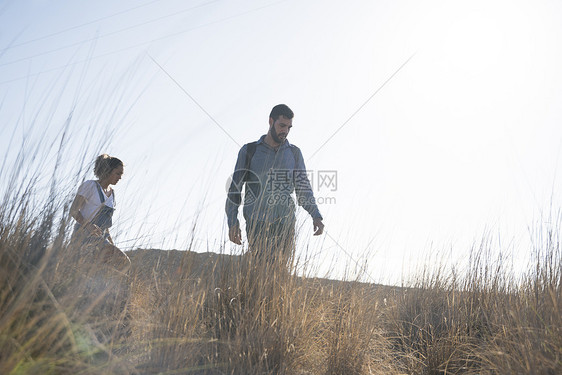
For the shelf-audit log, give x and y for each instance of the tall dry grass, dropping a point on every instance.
(239, 315)
(489, 321)
(58, 314)
(62, 312)
(232, 316)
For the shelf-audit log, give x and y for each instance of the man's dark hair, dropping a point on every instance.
(281, 110)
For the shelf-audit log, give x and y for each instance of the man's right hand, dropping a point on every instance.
(235, 234)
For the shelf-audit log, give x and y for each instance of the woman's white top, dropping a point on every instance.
(89, 191)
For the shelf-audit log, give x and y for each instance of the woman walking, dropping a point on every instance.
(93, 209)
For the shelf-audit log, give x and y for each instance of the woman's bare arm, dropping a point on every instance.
(77, 204)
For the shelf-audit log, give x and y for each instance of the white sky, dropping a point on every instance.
(463, 141)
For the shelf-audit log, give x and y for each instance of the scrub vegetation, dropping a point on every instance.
(186, 312)
(192, 313)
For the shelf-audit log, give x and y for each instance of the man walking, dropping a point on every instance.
(271, 169)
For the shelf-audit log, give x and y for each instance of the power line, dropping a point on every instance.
(142, 43)
(362, 267)
(105, 35)
(362, 105)
(80, 25)
(194, 101)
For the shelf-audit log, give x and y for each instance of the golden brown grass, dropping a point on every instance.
(62, 314)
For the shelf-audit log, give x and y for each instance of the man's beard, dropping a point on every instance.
(275, 136)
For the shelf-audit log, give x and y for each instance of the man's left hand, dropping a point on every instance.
(318, 226)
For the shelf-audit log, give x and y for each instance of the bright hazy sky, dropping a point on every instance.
(463, 141)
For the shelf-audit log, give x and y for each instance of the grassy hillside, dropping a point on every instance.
(187, 313)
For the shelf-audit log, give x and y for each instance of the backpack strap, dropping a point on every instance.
(250, 151)
(100, 192)
(102, 195)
